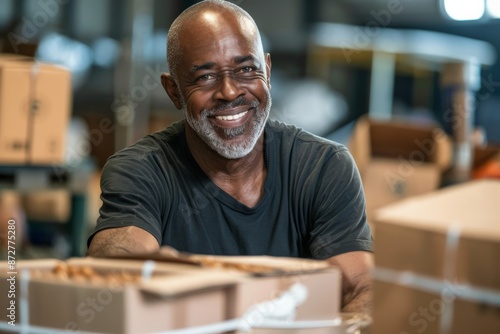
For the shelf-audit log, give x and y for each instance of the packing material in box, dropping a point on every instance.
(111, 296)
(398, 159)
(35, 104)
(436, 258)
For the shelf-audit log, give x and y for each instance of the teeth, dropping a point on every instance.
(232, 117)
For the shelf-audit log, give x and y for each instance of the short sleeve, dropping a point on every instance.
(340, 223)
(131, 195)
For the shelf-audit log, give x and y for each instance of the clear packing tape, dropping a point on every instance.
(439, 286)
(278, 313)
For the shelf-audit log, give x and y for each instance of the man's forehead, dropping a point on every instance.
(224, 41)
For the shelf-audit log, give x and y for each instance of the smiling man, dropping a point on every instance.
(226, 180)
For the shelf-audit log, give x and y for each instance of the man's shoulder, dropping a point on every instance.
(299, 138)
(152, 144)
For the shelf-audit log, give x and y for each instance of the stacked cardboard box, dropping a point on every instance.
(398, 159)
(35, 104)
(436, 261)
(179, 294)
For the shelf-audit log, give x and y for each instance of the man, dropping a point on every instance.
(227, 180)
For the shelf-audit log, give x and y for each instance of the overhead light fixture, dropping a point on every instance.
(493, 8)
(465, 10)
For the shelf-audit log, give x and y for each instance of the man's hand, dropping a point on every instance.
(122, 240)
(356, 270)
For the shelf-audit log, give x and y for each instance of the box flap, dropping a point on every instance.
(399, 139)
(402, 139)
(255, 265)
(182, 284)
(262, 265)
(132, 264)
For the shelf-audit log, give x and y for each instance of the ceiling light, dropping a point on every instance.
(463, 10)
(493, 7)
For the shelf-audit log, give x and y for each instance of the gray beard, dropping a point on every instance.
(210, 134)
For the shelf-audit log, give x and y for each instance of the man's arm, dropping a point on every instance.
(121, 241)
(356, 270)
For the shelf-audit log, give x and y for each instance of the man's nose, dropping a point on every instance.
(228, 87)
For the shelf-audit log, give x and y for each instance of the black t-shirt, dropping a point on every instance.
(313, 205)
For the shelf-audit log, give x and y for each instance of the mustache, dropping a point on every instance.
(240, 101)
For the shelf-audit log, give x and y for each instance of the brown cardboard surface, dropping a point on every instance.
(401, 309)
(35, 102)
(317, 306)
(418, 229)
(178, 296)
(475, 318)
(387, 181)
(360, 145)
(396, 310)
(14, 97)
(410, 249)
(398, 159)
(263, 278)
(48, 139)
(451, 236)
(262, 265)
(398, 139)
(121, 308)
(473, 207)
(411, 142)
(50, 205)
(258, 265)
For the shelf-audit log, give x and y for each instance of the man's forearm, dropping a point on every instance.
(356, 270)
(359, 299)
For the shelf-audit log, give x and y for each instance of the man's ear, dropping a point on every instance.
(170, 87)
(268, 69)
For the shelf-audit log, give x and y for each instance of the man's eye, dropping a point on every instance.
(205, 77)
(247, 69)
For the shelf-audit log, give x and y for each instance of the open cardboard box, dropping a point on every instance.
(172, 298)
(185, 291)
(266, 277)
(398, 159)
(35, 106)
(437, 265)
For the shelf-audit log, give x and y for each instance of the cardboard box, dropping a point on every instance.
(49, 205)
(35, 104)
(266, 277)
(182, 295)
(173, 298)
(436, 259)
(398, 159)
(323, 286)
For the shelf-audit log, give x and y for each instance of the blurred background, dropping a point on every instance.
(397, 64)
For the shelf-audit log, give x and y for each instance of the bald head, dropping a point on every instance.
(203, 16)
